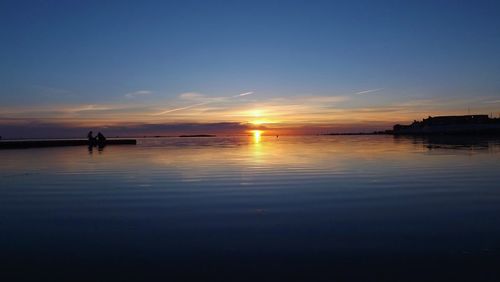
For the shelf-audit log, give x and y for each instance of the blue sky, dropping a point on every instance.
(127, 60)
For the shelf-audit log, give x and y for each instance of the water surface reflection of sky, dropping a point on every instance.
(316, 206)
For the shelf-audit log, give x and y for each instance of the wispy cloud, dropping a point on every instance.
(191, 95)
(323, 99)
(307, 110)
(492, 102)
(243, 94)
(182, 108)
(368, 91)
(85, 108)
(138, 93)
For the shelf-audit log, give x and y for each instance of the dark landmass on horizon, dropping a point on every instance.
(198, 135)
(451, 125)
(385, 132)
(442, 125)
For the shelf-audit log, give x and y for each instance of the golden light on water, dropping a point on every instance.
(257, 135)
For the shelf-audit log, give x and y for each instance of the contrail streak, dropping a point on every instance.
(183, 108)
(242, 94)
(201, 104)
(368, 91)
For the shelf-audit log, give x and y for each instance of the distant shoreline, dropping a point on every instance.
(198, 135)
(387, 132)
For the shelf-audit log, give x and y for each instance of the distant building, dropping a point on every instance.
(469, 124)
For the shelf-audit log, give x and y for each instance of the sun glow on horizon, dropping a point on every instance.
(258, 118)
(260, 122)
(257, 135)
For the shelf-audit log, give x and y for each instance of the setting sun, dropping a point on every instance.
(257, 115)
(257, 135)
(282, 140)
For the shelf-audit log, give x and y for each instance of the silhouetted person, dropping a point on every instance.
(90, 136)
(101, 140)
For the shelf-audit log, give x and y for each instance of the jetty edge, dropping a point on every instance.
(22, 144)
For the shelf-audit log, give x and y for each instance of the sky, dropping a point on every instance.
(226, 67)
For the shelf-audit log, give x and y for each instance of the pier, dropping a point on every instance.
(22, 144)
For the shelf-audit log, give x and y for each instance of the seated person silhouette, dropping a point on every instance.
(101, 140)
(91, 138)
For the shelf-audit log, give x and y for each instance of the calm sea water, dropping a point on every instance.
(239, 208)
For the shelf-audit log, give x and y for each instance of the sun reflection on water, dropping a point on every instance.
(257, 136)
